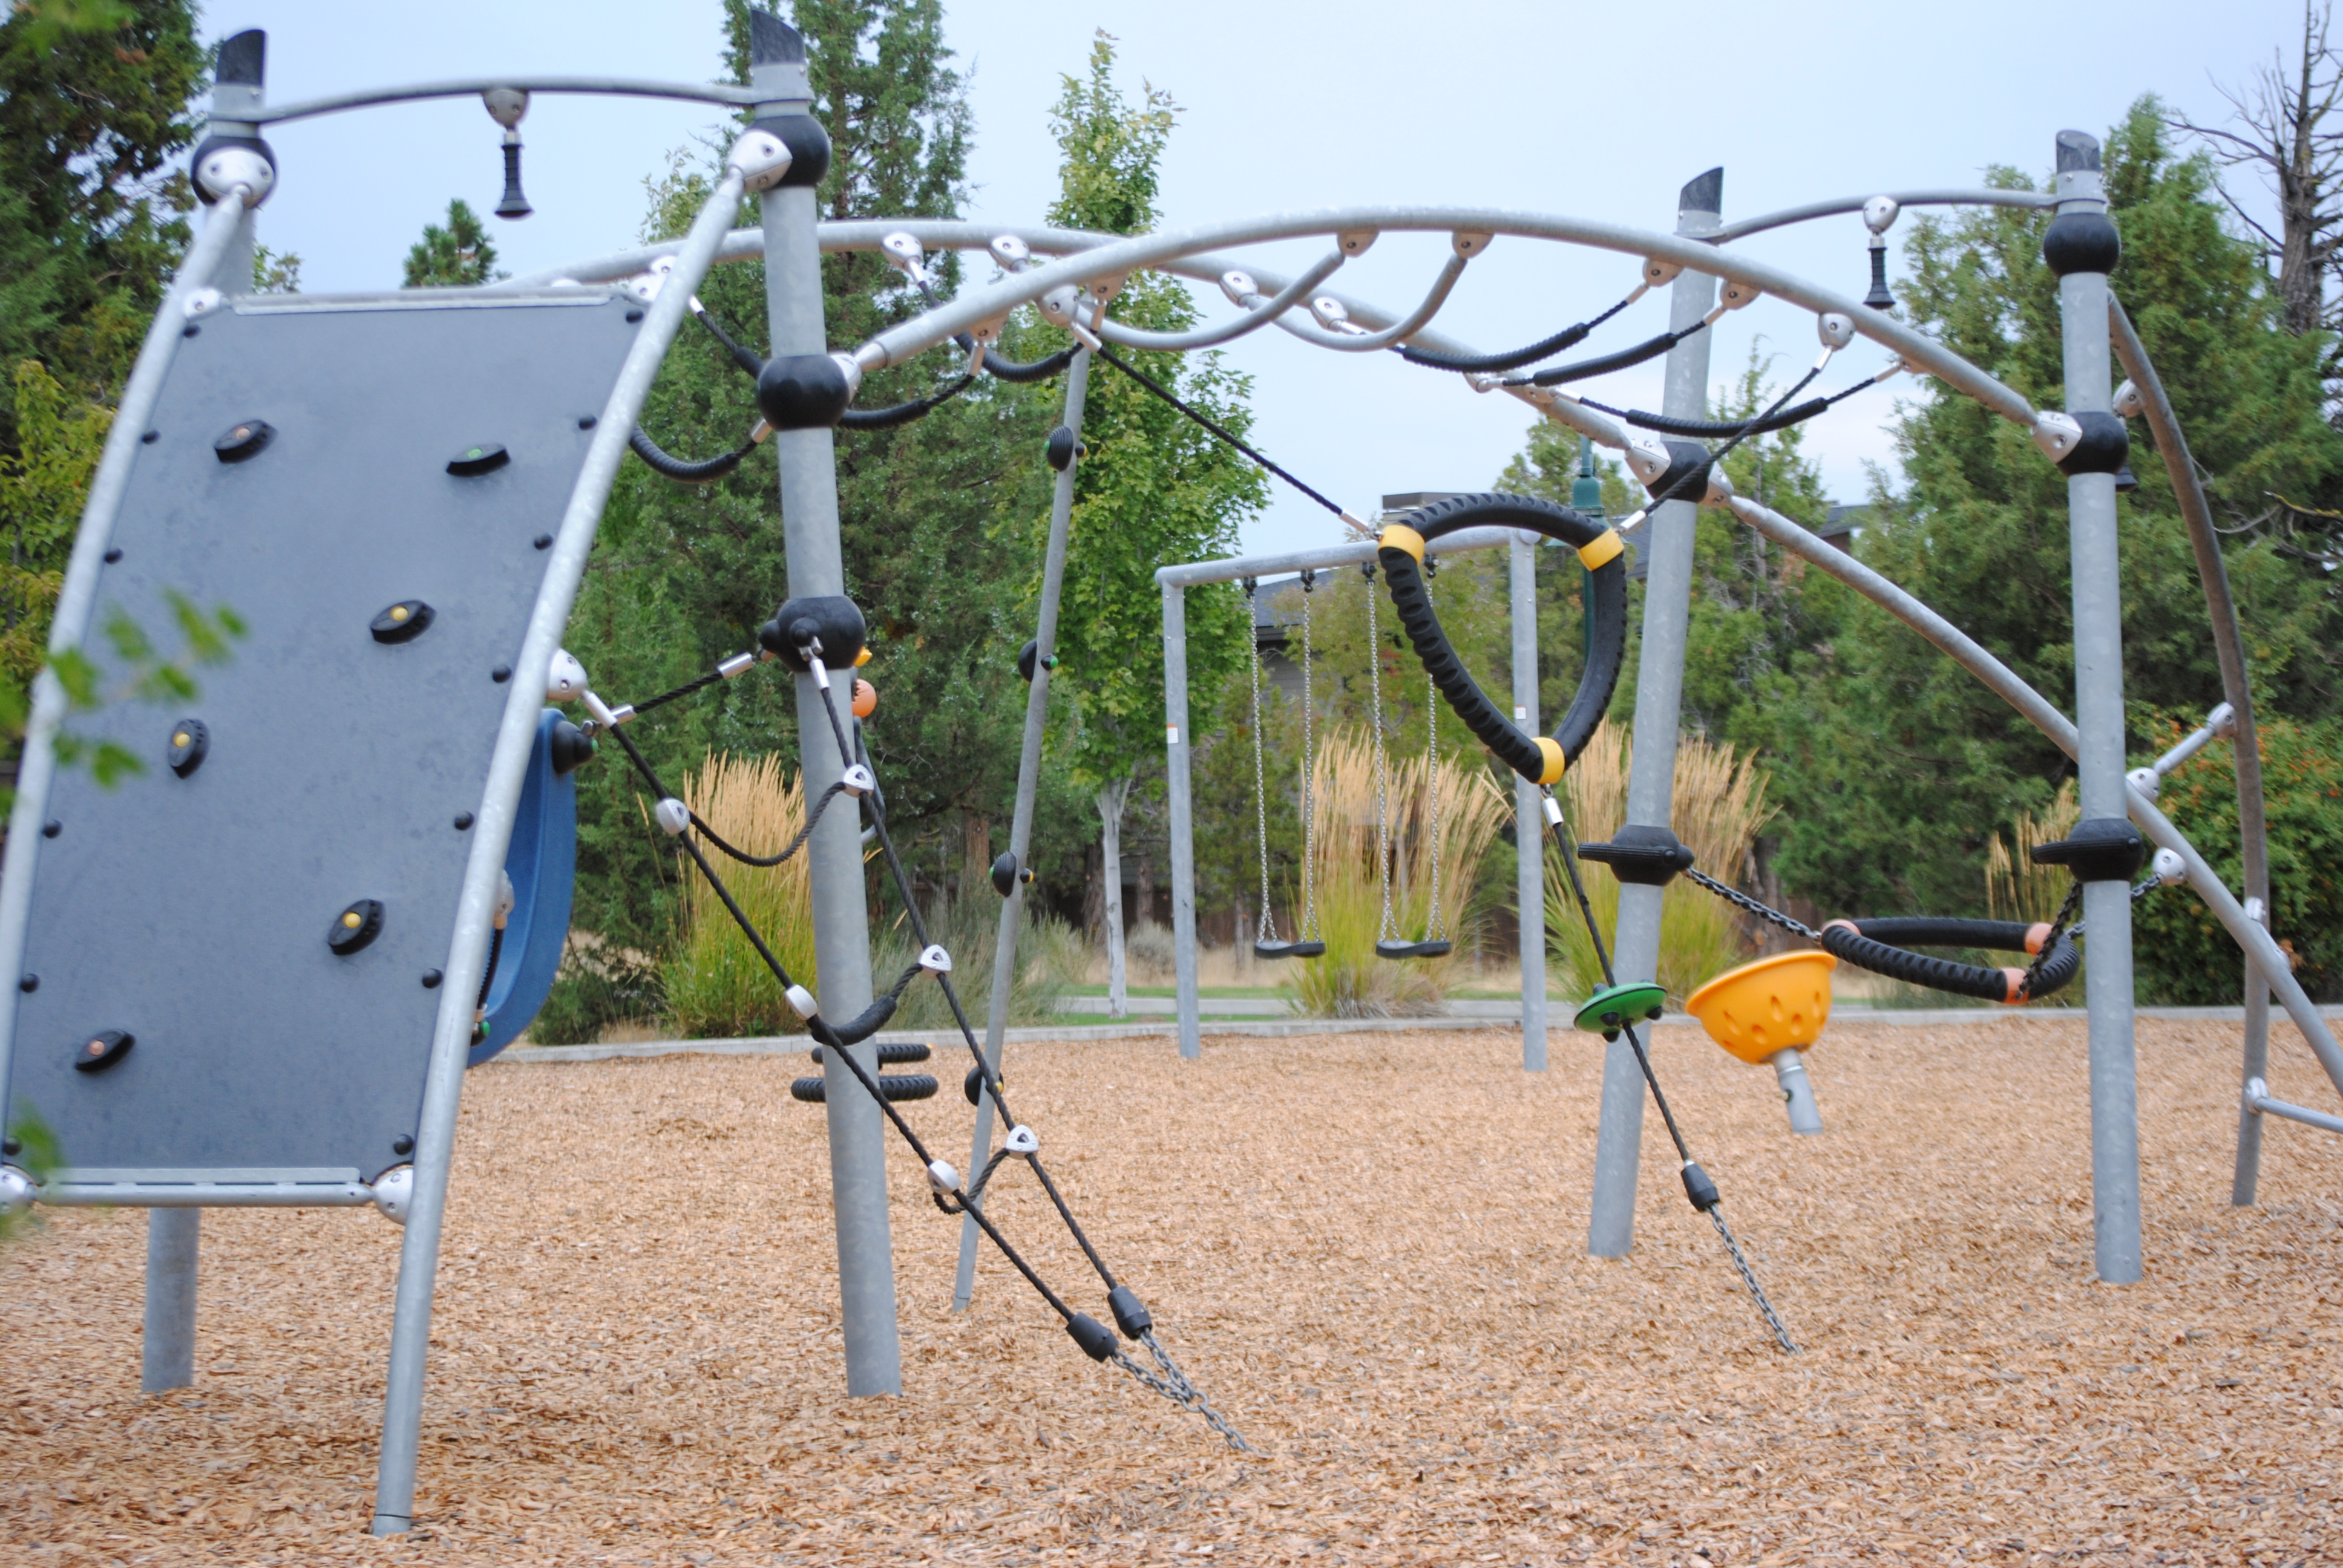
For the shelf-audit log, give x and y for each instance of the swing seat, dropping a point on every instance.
(1614, 1007)
(1289, 949)
(1398, 950)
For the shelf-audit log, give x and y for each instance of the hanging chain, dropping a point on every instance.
(1265, 928)
(1740, 899)
(2057, 924)
(1749, 1278)
(1174, 1385)
(1435, 925)
(1386, 930)
(1309, 932)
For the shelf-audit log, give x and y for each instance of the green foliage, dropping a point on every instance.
(2182, 954)
(458, 255)
(278, 271)
(36, 1155)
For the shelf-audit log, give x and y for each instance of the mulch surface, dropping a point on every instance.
(1369, 1251)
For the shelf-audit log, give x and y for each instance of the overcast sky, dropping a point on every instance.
(1602, 112)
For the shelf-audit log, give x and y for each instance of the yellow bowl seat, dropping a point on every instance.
(1760, 1008)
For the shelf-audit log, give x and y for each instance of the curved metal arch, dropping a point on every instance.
(606, 87)
(1832, 208)
(1252, 319)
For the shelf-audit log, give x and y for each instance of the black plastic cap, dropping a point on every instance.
(2126, 480)
(2099, 849)
(211, 145)
(1058, 450)
(1007, 874)
(1703, 193)
(2081, 242)
(356, 928)
(1030, 657)
(102, 1051)
(190, 742)
(1130, 1311)
(1686, 478)
(2077, 151)
(243, 441)
(1647, 855)
(773, 42)
(243, 59)
(402, 622)
(802, 392)
(832, 620)
(569, 748)
(1095, 1338)
(2103, 449)
(809, 146)
(1699, 1188)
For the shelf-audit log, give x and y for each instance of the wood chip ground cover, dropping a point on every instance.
(1367, 1250)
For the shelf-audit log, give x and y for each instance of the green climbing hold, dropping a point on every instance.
(1614, 1007)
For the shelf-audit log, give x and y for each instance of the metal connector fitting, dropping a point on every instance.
(1468, 243)
(394, 1193)
(942, 1177)
(1740, 295)
(1354, 243)
(904, 253)
(1331, 313)
(2168, 867)
(1010, 252)
(1834, 328)
(2057, 434)
(1020, 1140)
(645, 284)
(1238, 287)
(934, 959)
(17, 1191)
(1647, 458)
(224, 168)
(1879, 213)
(2222, 721)
(2146, 780)
(762, 159)
(801, 1002)
(672, 816)
(564, 677)
(202, 302)
(1659, 274)
(857, 781)
(2130, 404)
(738, 664)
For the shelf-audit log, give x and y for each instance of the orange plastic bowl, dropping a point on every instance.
(1760, 1008)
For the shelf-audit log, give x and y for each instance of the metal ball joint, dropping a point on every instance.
(762, 157)
(564, 677)
(2168, 867)
(394, 1193)
(1834, 328)
(17, 1191)
(224, 163)
(1010, 252)
(2130, 404)
(672, 816)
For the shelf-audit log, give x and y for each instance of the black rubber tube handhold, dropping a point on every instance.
(1606, 611)
(1650, 348)
(1130, 1311)
(1881, 946)
(900, 1055)
(867, 1022)
(684, 470)
(1095, 1338)
(903, 413)
(1666, 425)
(897, 1087)
(1011, 371)
(1488, 364)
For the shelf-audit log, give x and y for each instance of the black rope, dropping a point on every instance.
(1476, 363)
(742, 355)
(686, 690)
(684, 470)
(1650, 348)
(903, 413)
(1765, 425)
(1684, 480)
(1173, 398)
(812, 819)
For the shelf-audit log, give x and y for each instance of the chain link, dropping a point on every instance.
(1740, 899)
(1385, 930)
(2057, 924)
(1749, 1278)
(1174, 1385)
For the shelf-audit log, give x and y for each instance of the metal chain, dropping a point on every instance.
(1749, 1278)
(1385, 930)
(1740, 899)
(1265, 928)
(2140, 890)
(1174, 1385)
(2057, 924)
(1309, 932)
(1436, 925)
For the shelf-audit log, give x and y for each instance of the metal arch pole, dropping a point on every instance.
(1176, 741)
(842, 921)
(1021, 827)
(167, 1350)
(1529, 821)
(2244, 745)
(2097, 578)
(1651, 775)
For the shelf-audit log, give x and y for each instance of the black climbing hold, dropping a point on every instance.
(973, 1085)
(501, 674)
(150, 438)
(890, 1055)
(402, 622)
(634, 316)
(1687, 459)
(431, 978)
(52, 828)
(485, 458)
(586, 421)
(1007, 873)
(1130, 1313)
(802, 392)
(2097, 849)
(2103, 449)
(1647, 856)
(462, 821)
(898, 1085)
(10, 1146)
(356, 927)
(543, 541)
(190, 331)
(102, 1051)
(243, 441)
(570, 748)
(1699, 1188)
(1030, 656)
(113, 554)
(1059, 451)
(402, 1144)
(833, 619)
(2081, 242)
(189, 743)
(29, 984)
(1095, 1338)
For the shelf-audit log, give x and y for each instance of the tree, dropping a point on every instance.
(456, 256)
(1153, 489)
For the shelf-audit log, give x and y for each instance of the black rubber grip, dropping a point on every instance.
(902, 413)
(1038, 370)
(895, 1086)
(1607, 611)
(1479, 364)
(1883, 946)
(1650, 348)
(684, 469)
(867, 1022)
(1665, 426)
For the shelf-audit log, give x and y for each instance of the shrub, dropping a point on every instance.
(1051, 956)
(716, 985)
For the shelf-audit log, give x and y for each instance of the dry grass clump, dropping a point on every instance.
(1349, 980)
(716, 984)
(2015, 889)
(1718, 808)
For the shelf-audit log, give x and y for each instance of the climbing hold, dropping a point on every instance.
(355, 928)
(896, 1086)
(1614, 1007)
(889, 1055)
(102, 1051)
(1771, 1005)
(462, 821)
(500, 674)
(484, 458)
(189, 741)
(1061, 448)
(569, 748)
(866, 699)
(245, 440)
(402, 622)
(1007, 874)
(431, 978)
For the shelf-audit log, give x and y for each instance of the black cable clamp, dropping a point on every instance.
(1647, 855)
(2099, 849)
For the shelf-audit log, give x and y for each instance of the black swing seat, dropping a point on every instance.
(1289, 949)
(1436, 948)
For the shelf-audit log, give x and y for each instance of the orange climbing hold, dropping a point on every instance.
(1761, 1008)
(866, 699)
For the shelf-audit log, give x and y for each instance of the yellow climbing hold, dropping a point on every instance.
(1764, 1007)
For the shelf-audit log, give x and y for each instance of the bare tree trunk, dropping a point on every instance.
(1110, 800)
(976, 852)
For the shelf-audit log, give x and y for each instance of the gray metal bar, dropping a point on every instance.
(207, 1195)
(1814, 210)
(2255, 942)
(167, 1350)
(1028, 779)
(607, 86)
(37, 767)
(842, 921)
(2100, 762)
(1196, 574)
(1797, 1091)
(1176, 752)
(1529, 819)
(1651, 771)
(1396, 332)
(1251, 320)
(484, 866)
(2245, 743)
(2258, 1102)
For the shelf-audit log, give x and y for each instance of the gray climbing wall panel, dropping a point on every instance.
(192, 913)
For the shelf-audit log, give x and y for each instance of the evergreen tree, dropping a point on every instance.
(458, 255)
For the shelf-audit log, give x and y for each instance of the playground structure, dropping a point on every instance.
(389, 1140)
